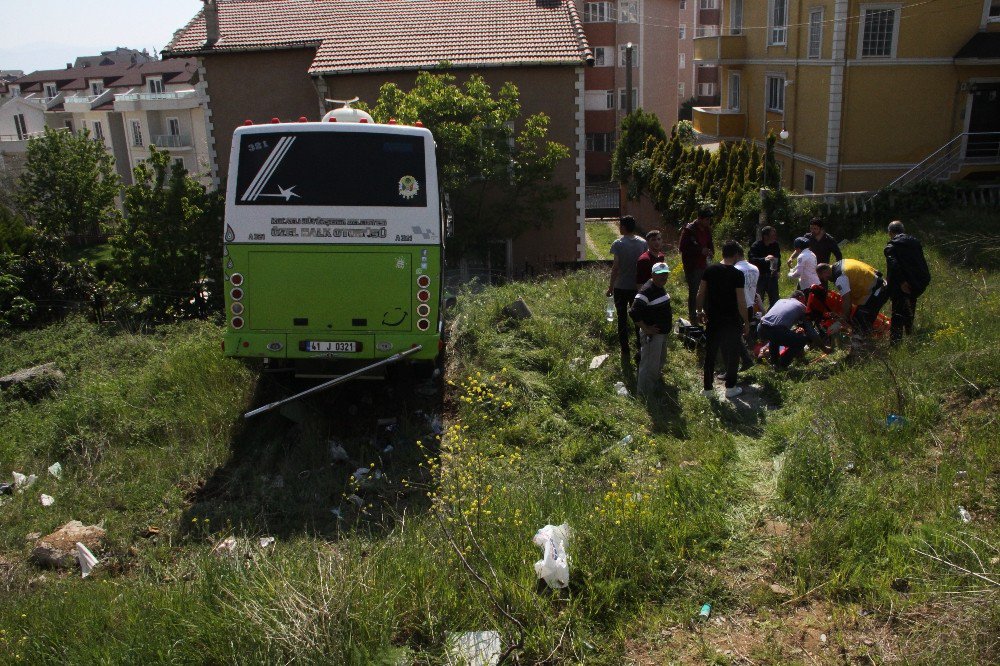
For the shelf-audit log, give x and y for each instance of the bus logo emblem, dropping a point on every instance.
(400, 263)
(267, 170)
(408, 187)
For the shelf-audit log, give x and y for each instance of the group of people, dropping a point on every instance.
(727, 298)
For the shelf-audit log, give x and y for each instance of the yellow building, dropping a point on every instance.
(868, 92)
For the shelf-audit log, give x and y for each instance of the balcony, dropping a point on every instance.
(45, 103)
(714, 49)
(718, 122)
(164, 101)
(175, 141)
(84, 103)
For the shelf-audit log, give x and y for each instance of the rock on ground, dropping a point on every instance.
(58, 549)
(33, 383)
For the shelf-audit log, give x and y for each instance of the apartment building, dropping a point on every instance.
(651, 27)
(698, 80)
(127, 107)
(867, 93)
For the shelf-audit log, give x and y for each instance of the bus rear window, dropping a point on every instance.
(331, 169)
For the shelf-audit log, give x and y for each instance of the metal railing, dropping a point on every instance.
(144, 96)
(81, 99)
(171, 140)
(965, 148)
(707, 31)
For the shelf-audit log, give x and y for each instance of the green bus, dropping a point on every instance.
(334, 241)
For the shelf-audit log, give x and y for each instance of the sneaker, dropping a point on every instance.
(733, 392)
(708, 393)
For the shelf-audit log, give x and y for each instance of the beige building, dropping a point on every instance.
(869, 93)
(127, 107)
(698, 80)
(263, 59)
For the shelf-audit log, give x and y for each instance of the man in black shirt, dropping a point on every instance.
(822, 244)
(652, 313)
(907, 276)
(765, 254)
(721, 305)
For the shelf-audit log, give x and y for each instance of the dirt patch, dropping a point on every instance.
(816, 633)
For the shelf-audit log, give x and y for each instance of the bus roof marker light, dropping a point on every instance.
(418, 124)
(303, 119)
(275, 121)
(332, 119)
(248, 122)
(392, 121)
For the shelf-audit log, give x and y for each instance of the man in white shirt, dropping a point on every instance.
(751, 275)
(805, 266)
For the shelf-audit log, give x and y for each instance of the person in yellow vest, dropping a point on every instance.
(862, 288)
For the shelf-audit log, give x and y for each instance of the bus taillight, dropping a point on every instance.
(236, 279)
(423, 324)
(423, 295)
(423, 309)
(423, 281)
(236, 294)
(237, 322)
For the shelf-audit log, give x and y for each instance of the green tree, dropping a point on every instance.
(638, 137)
(169, 240)
(498, 178)
(69, 185)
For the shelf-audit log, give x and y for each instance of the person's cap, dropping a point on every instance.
(660, 268)
(800, 243)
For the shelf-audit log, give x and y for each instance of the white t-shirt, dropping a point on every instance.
(750, 275)
(843, 285)
(805, 269)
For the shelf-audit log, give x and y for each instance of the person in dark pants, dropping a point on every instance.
(821, 243)
(765, 254)
(907, 277)
(653, 315)
(626, 251)
(696, 248)
(777, 328)
(721, 305)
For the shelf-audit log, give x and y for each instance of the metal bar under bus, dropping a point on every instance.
(395, 358)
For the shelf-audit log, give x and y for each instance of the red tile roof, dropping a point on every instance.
(113, 76)
(379, 35)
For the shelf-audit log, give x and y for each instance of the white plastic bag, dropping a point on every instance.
(553, 568)
(85, 558)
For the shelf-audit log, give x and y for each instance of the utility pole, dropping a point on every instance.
(628, 79)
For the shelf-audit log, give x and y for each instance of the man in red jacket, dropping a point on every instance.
(696, 249)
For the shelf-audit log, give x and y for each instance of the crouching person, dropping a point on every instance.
(652, 313)
(778, 329)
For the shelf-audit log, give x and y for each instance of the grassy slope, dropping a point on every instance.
(682, 515)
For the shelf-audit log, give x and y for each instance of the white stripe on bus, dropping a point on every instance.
(270, 164)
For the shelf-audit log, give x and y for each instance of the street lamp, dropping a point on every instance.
(783, 134)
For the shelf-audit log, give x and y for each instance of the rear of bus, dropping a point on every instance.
(333, 243)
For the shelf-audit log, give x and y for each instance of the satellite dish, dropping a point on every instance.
(346, 114)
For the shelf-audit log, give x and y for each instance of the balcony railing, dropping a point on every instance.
(720, 47)
(968, 148)
(81, 99)
(707, 31)
(172, 141)
(148, 96)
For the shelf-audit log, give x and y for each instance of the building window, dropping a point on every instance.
(51, 90)
(681, 60)
(734, 91)
(599, 100)
(879, 26)
(682, 31)
(809, 186)
(680, 90)
(136, 133)
(155, 85)
(15, 91)
(174, 127)
(993, 12)
(98, 131)
(602, 56)
(706, 90)
(708, 4)
(96, 88)
(598, 12)
(69, 126)
(600, 142)
(775, 93)
(609, 99)
(778, 23)
(635, 55)
(20, 128)
(621, 99)
(628, 11)
(736, 17)
(684, 4)
(815, 32)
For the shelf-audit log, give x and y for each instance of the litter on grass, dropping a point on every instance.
(553, 568)
(598, 361)
(86, 559)
(47, 500)
(475, 648)
(55, 469)
(21, 482)
(264, 542)
(706, 611)
(337, 452)
(964, 515)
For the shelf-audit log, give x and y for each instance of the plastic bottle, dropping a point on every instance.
(609, 309)
(626, 440)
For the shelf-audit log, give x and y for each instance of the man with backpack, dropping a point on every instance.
(907, 277)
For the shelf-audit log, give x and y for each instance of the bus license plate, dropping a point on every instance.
(348, 347)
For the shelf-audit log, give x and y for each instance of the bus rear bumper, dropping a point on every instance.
(369, 347)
